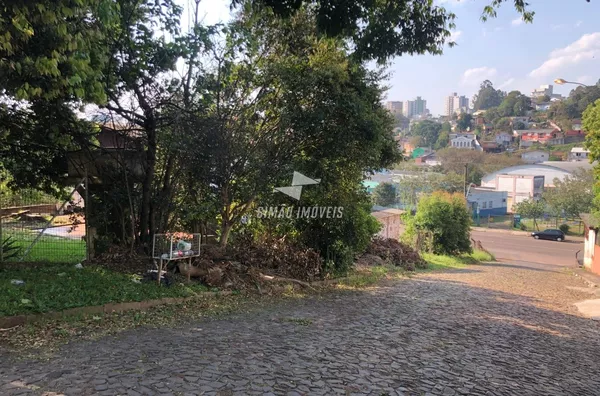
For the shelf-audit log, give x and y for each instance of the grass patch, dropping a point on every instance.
(369, 276)
(56, 287)
(48, 248)
(438, 262)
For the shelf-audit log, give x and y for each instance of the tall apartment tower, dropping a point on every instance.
(456, 104)
(415, 107)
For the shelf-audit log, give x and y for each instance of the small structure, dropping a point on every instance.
(491, 147)
(517, 187)
(535, 157)
(544, 106)
(486, 202)
(591, 250)
(391, 221)
(578, 154)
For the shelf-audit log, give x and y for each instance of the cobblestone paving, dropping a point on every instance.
(494, 329)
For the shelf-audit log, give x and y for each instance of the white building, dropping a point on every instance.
(578, 154)
(549, 169)
(464, 141)
(503, 138)
(535, 157)
(486, 202)
(543, 90)
(518, 188)
(456, 104)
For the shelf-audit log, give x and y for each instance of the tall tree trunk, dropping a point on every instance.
(150, 167)
(225, 232)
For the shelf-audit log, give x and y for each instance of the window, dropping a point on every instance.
(503, 200)
(484, 205)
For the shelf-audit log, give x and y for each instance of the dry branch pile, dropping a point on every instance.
(396, 253)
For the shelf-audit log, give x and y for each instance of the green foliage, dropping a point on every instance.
(572, 195)
(479, 163)
(441, 224)
(564, 228)
(428, 131)
(575, 105)
(384, 194)
(10, 248)
(531, 209)
(55, 49)
(487, 97)
(442, 141)
(464, 121)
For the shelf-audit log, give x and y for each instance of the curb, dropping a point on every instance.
(589, 279)
(500, 231)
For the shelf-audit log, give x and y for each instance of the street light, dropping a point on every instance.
(562, 81)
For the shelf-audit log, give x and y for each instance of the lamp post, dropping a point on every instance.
(562, 81)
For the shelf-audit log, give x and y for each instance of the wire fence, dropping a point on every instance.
(514, 222)
(36, 228)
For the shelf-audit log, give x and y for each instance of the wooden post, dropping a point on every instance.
(87, 216)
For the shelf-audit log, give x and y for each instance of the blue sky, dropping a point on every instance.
(563, 41)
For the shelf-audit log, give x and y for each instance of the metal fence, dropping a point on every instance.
(513, 222)
(36, 228)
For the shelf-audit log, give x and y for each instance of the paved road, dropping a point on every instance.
(522, 248)
(493, 329)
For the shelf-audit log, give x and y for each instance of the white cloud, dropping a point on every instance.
(517, 21)
(476, 75)
(506, 83)
(585, 48)
(455, 35)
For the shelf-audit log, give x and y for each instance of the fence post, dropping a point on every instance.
(87, 217)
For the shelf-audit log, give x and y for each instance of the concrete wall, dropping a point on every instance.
(488, 202)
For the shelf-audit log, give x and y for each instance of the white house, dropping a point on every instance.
(503, 138)
(535, 157)
(578, 154)
(487, 201)
(464, 141)
(545, 106)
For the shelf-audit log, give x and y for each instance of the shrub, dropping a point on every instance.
(441, 225)
(564, 228)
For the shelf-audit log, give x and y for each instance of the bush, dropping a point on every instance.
(441, 225)
(564, 228)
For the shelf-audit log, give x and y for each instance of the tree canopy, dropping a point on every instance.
(487, 96)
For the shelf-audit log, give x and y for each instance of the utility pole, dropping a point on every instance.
(466, 176)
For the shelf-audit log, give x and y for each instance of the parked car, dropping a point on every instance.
(553, 235)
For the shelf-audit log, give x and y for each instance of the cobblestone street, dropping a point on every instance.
(494, 329)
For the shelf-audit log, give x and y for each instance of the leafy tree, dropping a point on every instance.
(542, 99)
(55, 49)
(591, 123)
(531, 209)
(442, 141)
(519, 125)
(572, 195)
(282, 108)
(503, 124)
(411, 188)
(441, 224)
(384, 194)
(514, 104)
(479, 163)
(464, 121)
(578, 101)
(487, 97)
(446, 127)
(428, 131)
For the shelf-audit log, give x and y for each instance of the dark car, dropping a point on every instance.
(553, 235)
